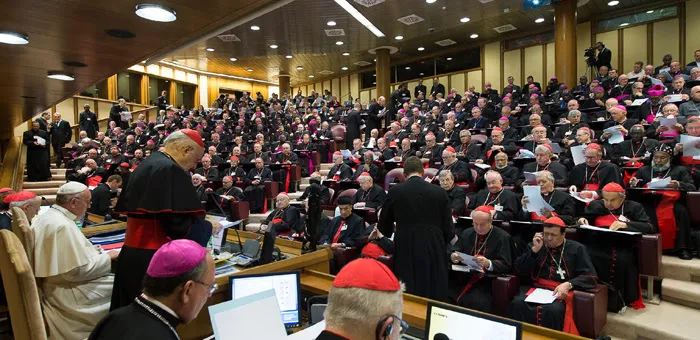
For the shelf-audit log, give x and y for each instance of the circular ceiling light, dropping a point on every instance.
(474, 36)
(465, 19)
(255, 28)
(421, 48)
(539, 20)
(250, 70)
(273, 46)
(311, 76)
(624, 24)
(13, 38)
(399, 37)
(61, 76)
(430, 1)
(408, 67)
(331, 23)
(613, 3)
(156, 12)
(449, 58)
(233, 59)
(344, 68)
(209, 49)
(288, 57)
(651, 11)
(299, 68)
(346, 53)
(339, 43)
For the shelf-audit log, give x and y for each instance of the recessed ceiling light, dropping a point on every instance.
(311, 76)
(156, 12)
(430, 1)
(474, 36)
(344, 68)
(339, 43)
(374, 75)
(210, 49)
(624, 24)
(398, 37)
(465, 19)
(250, 70)
(255, 28)
(233, 59)
(288, 57)
(60, 76)
(651, 11)
(408, 67)
(346, 53)
(331, 23)
(421, 74)
(359, 17)
(273, 46)
(374, 83)
(449, 58)
(13, 38)
(421, 48)
(539, 20)
(299, 68)
(375, 60)
(613, 3)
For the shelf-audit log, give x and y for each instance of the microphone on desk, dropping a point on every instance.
(440, 336)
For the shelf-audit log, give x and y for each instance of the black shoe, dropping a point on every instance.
(684, 255)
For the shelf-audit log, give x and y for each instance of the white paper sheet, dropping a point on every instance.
(689, 148)
(674, 98)
(668, 122)
(470, 262)
(577, 153)
(638, 102)
(40, 140)
(482, 166)
(526, 153)
(530, 177)
(556, 149)
(309, 333)
(126, 116)
(616, 137)
(346, 153)
(659, 183)
(241, 318)
(590, 227)
(541, 296)
(536, 202)
(577, 195)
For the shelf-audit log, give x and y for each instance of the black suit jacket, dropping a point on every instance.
(375, 198)
(101, 197)
(61, 133)
(604, 58)
(353, 228)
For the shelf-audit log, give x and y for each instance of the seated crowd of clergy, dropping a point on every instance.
(585, 149)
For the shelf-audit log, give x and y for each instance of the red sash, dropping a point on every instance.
(569, 324)
(688, 160)
(144, 233)
(94, 181)
(286, 181)
(666, 219)
(628, 174)
(337, 233)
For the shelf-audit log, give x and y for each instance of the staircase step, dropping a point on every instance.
(258, 218)
(324, 172)
(681, 292)
(44, 191)
(682, 270)
(303, 187)
(50, 199)
(667, 321)
(295, 195)
(54, 171)
(326, 166)
(305, 180)
(38, 185)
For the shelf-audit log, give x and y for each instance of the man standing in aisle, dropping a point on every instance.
(38, 162)
(88, 122)
(424, 227)
(60, 135)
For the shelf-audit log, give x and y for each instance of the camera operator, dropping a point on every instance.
(604, 55)
(104, 196)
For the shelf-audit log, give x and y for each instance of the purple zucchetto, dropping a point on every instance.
(176, 258)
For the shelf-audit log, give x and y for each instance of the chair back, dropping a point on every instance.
(338, 132)
(480, 139)
(693, 201)
(346, 193)
(429, 172)
(393, 174)
(21, 228)
(21, 289)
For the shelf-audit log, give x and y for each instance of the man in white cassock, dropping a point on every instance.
(72, 274)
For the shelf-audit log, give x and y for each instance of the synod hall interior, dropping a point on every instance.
(350, 169)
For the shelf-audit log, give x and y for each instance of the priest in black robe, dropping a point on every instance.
(369, 167)
(634, 152)
(424, 227)
(543, 161)
(285, 219)
(591, 175)
(180, 271)
(504, 202)
(499, 163)
(665, 208)
(339, 171)
(493, 251)
(369, 194)
(161, 205)
(255, 186)
(457, 197)
(614, 255)
(467, 151)
(498, 142)
(236, 172)
(38, 162)
(461, 171)
(557, 264)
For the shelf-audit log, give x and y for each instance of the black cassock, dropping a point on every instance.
(38, 162)
(509, 174)
(348, 231)
(505, 202)
(614, 255)
(577, 269)
(457, 198)
(374, 197)
(256, 193)
(137, 322)
(474, 290)
(594, 179)
(564, 208)
(558, 170)
(460, 171)
(424, 227)
(284, 221)
(161, 204)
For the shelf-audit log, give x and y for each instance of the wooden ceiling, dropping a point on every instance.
(74, 30)
(299, 30)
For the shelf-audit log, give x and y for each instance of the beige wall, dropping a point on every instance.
(666, 40)
(692, 29)
(549, 71)
(534, 57)
(583, 41)
(492, 65)
(475, 78)
(457, 82)
(634, 46)
(512, 66)
(355, 85)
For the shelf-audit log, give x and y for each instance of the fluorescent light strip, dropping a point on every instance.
(361, 18)
(215, 74)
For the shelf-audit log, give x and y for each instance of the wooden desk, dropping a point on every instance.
(415, 307)
(286, 246)
(200, 327)
(89, 231)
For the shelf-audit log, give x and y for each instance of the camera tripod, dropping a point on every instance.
(591, 71)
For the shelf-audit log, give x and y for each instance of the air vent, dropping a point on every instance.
(446, 42)
(363, 63)
(335, 32)
(121, 34)
(319, 54)
(228, 38)
(369, 3)
(410, 20)
(326, 72)
(74, 64)
(504, 28)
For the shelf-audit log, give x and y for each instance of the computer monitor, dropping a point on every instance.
(286, 286)
(455, 323)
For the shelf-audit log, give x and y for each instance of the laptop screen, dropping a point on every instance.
(449, 322)
(286, 286)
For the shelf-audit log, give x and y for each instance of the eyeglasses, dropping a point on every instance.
(212, 287)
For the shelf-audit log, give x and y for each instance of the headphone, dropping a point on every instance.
(385, 326)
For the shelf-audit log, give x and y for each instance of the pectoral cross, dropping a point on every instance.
(561, 273)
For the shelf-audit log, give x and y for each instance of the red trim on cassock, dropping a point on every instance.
(569, 324)
(144, 233)
(666, 219)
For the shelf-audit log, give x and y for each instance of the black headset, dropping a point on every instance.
(385, 326)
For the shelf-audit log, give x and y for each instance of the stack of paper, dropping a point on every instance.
(536, 202)
(659, 183)
(469, 264)
(577, 154)
(541, 296)
(689, 148)
(590, 227)
(526, 153)
(616, 137)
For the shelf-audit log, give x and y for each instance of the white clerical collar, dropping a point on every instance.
(160, 305)
(65, 212)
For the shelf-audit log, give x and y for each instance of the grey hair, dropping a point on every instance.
(357, 309)
(465, 132)
(444, 174)
(20, 204)
(546, 174)
(543, 148)
(574, 112)
(177, 137)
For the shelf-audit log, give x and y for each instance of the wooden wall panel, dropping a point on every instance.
(457, 82)
(511, 67)
(583, 41)
(372, 94)
(634, 45)
(335, 87)
(610, 39)
(355, 85)
(103, 110)
(492, 65)
(326, 86)
(444, 80)
(692, 30)
(364, 97)
(344, 93)
(474, 79)
(67, 110)
(533, 63)
(550, 72)
(666, 40)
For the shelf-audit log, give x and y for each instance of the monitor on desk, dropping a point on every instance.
(287, 288)
(454, 323)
